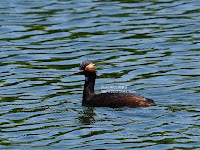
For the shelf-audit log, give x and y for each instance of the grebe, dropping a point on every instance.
(107, 99)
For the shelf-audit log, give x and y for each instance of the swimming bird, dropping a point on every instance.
(120, 99)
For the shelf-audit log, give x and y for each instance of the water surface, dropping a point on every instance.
(151, 47)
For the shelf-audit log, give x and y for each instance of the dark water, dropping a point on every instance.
(150, 46)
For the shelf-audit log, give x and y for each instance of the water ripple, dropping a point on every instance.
(152, 47)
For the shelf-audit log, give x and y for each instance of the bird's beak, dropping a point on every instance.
(79, 72)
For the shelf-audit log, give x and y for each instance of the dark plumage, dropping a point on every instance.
(107, 99)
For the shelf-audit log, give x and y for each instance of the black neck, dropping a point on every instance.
(88, 88)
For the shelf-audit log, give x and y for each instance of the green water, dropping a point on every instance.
(151, 47)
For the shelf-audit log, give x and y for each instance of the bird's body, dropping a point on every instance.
(119, 99)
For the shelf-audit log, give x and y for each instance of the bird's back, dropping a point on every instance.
(119, 100)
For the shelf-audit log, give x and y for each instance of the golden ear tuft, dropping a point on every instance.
(90, 67)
